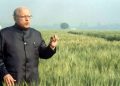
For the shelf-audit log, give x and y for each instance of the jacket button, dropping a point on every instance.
(25, 43)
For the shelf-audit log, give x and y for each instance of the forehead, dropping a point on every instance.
(22, 11)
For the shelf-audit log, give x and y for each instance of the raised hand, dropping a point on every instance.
(53, 41)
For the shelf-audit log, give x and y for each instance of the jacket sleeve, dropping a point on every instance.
(3, 70)
(45, 52)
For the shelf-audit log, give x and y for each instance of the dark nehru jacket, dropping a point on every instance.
(20, 51)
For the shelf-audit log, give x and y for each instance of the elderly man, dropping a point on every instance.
(20, 49)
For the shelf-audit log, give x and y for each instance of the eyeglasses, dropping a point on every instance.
(26, 16)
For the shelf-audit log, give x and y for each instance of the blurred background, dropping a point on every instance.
(72, 14)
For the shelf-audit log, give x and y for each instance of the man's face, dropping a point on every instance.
(22, 18)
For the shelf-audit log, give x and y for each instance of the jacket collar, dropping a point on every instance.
(20, 28)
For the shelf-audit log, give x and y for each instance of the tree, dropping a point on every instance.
(64, 25)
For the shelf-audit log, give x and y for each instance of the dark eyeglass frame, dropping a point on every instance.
(26, 16)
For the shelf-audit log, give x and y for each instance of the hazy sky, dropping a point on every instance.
(71, 11)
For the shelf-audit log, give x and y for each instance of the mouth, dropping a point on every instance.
(27, 23)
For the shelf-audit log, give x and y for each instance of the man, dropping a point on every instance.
(20, 49)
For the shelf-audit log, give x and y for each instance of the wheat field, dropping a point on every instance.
(82, 60)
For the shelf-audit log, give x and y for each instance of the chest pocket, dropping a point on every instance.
(36, 48)
(35, 44)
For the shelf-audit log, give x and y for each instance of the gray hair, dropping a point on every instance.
(17, 10)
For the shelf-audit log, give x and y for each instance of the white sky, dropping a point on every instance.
(57, 11)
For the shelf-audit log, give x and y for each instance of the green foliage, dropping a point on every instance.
(64, 25)
(81, 61)
(108, 35)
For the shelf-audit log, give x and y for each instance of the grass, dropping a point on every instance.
(108, 35)
(81, 60)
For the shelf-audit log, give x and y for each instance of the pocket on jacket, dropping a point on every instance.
(36, 45)
(36, 48)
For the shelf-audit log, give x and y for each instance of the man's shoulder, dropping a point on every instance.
(6, 29)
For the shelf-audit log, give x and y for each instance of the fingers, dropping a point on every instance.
(12, 82)
(9, 80)
(54, 38)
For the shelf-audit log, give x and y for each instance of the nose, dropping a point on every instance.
(27, 18)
